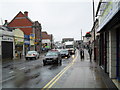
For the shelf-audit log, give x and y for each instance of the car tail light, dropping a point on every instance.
(33, 54)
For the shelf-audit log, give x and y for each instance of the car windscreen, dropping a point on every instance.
(69, 46)
(63, 51)
(52, 54)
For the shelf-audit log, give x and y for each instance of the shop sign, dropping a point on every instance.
(119, 5)
(45, 41)
(19, 40)
(7, 38)
(26, 42)
(35, 42)
(32, 36)
(26, 39)
(109, 10)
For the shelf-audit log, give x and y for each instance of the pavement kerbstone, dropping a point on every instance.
(83, 74)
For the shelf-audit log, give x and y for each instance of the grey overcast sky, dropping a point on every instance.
(62, 18)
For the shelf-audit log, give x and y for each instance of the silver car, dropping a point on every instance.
(32, 55)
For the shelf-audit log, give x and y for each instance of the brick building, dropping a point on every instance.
(30, 29)
(47, 40)
(38, 38)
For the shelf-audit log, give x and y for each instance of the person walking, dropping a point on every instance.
(90, 53)
(82, 54)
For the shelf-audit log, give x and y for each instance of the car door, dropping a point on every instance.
(37, 55)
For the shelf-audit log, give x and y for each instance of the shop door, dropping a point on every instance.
(7, 50)
(118, 54)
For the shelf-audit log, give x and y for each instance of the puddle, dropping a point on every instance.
(27, 71)
(37, 66)
(34, 76)
(12, 67)
(54, 67)
(6, 66)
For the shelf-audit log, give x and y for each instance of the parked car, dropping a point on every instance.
(64, 53)
(31, 55)
(53, 56)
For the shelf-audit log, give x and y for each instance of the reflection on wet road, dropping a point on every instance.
(33, 74)
(72, 73)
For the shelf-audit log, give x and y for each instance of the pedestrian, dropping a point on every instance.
(90, 53)
(82, 54)
(20, 55)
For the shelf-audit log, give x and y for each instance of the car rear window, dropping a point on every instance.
(30, 52)
(52, 54)
(63, 51)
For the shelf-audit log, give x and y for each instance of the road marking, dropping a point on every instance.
(58, 76)
(7, 79)
(55, 77)
(11, 72)
(22, 68)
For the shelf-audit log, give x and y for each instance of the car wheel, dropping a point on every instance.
(60, 61)
(57, 62)
(26, 58)
(44, 64)
(35, 58)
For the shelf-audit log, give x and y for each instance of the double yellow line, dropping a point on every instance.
(57, 77)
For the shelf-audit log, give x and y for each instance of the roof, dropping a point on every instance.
(45, 35)
(4, 28)
(20, 14)
(23, 22)
(98, 8)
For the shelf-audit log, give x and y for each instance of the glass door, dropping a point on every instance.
(118, 54)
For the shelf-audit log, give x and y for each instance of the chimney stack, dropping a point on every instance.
(5, 21)
(26, 13)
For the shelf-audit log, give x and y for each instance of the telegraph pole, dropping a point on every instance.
(94, 29)
(93, 12)
(81, 34)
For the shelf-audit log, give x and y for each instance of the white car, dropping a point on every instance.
(31, 55)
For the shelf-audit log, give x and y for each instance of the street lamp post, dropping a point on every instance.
(94, 29)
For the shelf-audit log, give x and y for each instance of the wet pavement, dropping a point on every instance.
(79, 74)
(72, 73)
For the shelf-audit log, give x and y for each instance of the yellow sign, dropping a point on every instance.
(32, 36)
(35, 42)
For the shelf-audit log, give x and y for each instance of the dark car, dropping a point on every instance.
(52, 57)
(64, 53)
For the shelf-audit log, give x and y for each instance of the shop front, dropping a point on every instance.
(109, 21)
(6, 44)
(27, 42)
(19, 42)
(103, 51)
(118, 54)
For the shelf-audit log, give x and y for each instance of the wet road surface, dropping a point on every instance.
(73, 73)
(32, 74)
